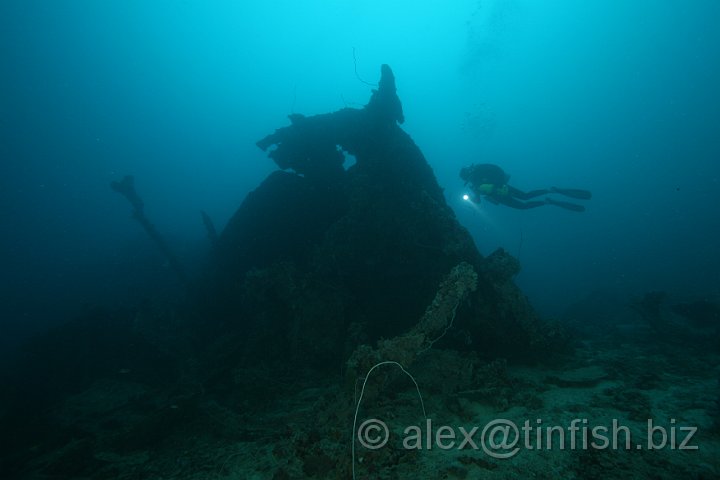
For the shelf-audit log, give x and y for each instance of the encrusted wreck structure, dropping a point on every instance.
(320, 259)
(323, 269)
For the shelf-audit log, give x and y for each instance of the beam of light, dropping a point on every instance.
(486, 222)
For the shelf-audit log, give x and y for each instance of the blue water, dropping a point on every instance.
(617, 97)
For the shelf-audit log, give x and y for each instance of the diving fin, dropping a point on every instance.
(573, 193)
(566, 205)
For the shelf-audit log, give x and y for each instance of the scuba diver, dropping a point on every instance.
(490, 181)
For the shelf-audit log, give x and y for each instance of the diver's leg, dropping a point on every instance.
(517, 193)
(573, 193)
(515, 203)
(566, 205)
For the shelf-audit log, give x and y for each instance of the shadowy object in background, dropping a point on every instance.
(210, 227)
(701, 313)
(695, 322)
(126, 188)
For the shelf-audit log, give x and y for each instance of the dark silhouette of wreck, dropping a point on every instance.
(316, 267)
(319, 259)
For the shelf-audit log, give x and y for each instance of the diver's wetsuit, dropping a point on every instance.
(515, 198)
(491, 181)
